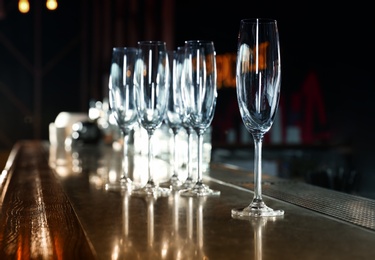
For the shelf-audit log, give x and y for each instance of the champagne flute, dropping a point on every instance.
(199, 95)
(258, 79)
(152, 91)
(188, 182)
(174, 112)
(122, 102)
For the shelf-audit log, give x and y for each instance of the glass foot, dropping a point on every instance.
(199, 190)
(256, 210)
(174, 184)
(151, 190)
(188, 184)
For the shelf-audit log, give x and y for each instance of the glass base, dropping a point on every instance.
(256, 210)
(151, 190)
(188, 184)
(173, 183)
(199, 190)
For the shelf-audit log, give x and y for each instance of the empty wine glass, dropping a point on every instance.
(122, 103)
(199, 96)
(152, 91)
(258, 79)
(174, 112)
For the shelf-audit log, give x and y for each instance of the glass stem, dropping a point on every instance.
(200, 157)
(150, 158)
(190, 163)
(258, 139)
(175, 165)
(125, 157)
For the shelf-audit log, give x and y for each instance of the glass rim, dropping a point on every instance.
(199, 41)
(259, 20)
(152, 42)
(118, 48)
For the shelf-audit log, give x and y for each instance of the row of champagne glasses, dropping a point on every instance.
(145, 88)
(258, 80)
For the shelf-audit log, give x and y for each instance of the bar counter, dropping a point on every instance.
(54, 206)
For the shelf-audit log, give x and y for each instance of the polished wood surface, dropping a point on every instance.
(54, 206)
(37, 220)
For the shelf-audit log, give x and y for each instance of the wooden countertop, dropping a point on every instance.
(54, 206)
(37, 220)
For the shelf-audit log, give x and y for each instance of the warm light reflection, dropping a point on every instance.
(96, 181)
(259, 225)
(112, 176)
(123, 246)
(150, 221)
(23, 6)
(40, 232)
(51, 4)
(226, 70)
(172, 240)
(115, 252)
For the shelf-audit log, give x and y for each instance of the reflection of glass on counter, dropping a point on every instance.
(60, 136)
(123, 247)
(258, 225)
(164, 141)
(193, 245)
(64, 155)
(161, 143)
(169, 235)
(64, 160)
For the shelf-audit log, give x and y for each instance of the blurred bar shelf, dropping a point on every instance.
(54, 206)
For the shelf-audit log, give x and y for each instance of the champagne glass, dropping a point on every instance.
(188, 182)
(200, 94)
(152, 91)
(122, 102)
(174, 112)
(258, 77)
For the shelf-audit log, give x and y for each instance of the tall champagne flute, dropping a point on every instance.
(152, 91)
(258, 79)
(174, 112)
(199, 95)
(122, 103)
(188, 182)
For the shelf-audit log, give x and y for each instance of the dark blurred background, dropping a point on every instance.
(53, 61)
